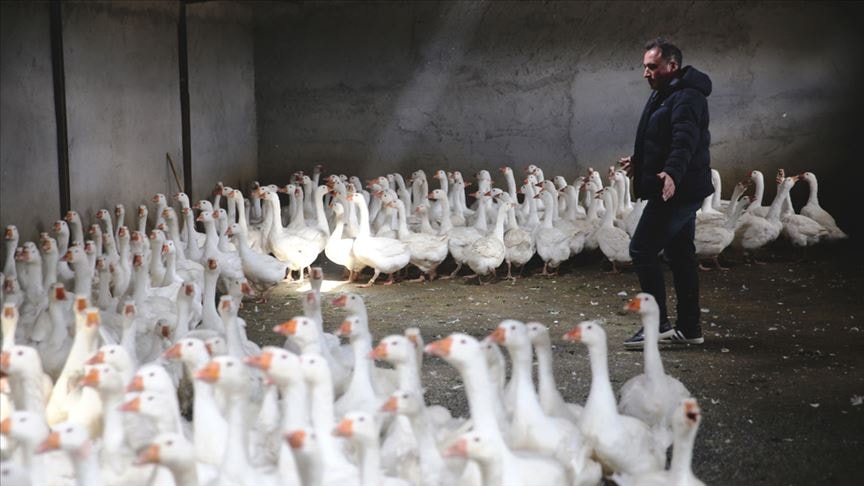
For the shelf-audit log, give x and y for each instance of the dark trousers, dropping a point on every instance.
(669, 227)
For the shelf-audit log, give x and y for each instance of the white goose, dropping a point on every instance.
(427, 251)
(75, 441)
(339, 249)
(386, 255)
(550, 397)
(263, 271)
(174, 452)
(486, 253)
(362, 430)
(553, 245)
(814, 211)
(754, 232)
(621, 443)
(502, 466)
(685, 424)
(652, 396)
(613, 241)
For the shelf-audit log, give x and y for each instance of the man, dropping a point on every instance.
(671, 169)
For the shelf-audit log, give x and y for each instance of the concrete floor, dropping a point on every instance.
(779, 377)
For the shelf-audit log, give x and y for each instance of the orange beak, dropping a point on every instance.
(5, 360)
(52, 443)
(499, 336)
(634, 305)
(344, 329)
(246, 289)
(262, 361)
(344, 429)
(340, 301)
(6, 426)
(133, 405)
(574, 335)
(173, 352)
(296, 439)
(136, 385)
(288, 328)
(691, 410)
(150, 455)
(440, 347)
(380, 352)
(209, 373)
(98, 358)
(391, 405)
(93, 319)
(459, 449)
(91, 379)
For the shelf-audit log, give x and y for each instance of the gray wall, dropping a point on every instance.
(221, 96)
(370, 88)
(123, 102)
(28, 150)
(123, 105)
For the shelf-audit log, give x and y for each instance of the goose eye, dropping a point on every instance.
(405, 396)
(20, 353)
(150, 398)
(476, 439)
(395, 343)
(463, 341)
(311, 361)
(189, 343)
(111, 352)
(153, 373)
(229, 364)
(23, 419)
(513, 327)
(169, 443)
(361, 419)
(69, 430)
(590, 327)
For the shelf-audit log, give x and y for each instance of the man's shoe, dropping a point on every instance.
(638, 339)
(678, 337)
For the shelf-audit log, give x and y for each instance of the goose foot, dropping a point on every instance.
(420, 279)
(704, 268)
(467, 277)
(371, 280)
(391, 280)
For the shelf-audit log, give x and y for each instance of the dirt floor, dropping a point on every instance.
(780, 377)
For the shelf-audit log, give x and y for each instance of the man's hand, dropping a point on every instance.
(624, 162)
(668, 185)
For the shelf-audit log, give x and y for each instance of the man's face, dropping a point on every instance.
(658, 71)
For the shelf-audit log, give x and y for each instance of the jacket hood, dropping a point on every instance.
(691, 77)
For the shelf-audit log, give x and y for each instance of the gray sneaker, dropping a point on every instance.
(637, 341)
(678, 337)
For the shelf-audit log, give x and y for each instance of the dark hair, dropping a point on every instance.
(668, 50)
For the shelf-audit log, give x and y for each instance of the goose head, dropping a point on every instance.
(204, 206)
(151, 377)
(191, 351)
(13, 474)
(403, 402)
(11, 234)
(216, 346)
(512, 334)
(472, 445)
(457, 349)
(114, 355)
(61, 228)
(302, 329)
(358, 427)
(148, 403)
(352, 327)
(9, 322)
(643, 304)
(205, 216)
(590, 333)
(27, 427)
(104, 378)
(687, 417)
(74, 254)
(538, 333)
(351, 302)
(169, 449)
(67, 436)
(315, 369)
(232, 230)
(182, 198)
(47, 245)
(394, 349)
(20, 360)
(227, 373)
(304, 443)
(281, 366)
(437, 194)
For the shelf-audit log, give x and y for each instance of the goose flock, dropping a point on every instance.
(124, 358)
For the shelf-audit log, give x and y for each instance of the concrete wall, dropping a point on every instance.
(221, 96)
(370, 88)
(123, 102)
(29, 188)
(123, 105)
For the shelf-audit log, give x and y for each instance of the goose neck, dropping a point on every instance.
(682, 455)
(813, 198)
(651, 352)
(86, 466)
(478, 387)
(370, 463)
(601, 398)
(236, 459)
(295, 406)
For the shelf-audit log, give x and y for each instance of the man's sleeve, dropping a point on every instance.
(685, 135)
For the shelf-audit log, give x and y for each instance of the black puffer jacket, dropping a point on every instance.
(673, 137)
